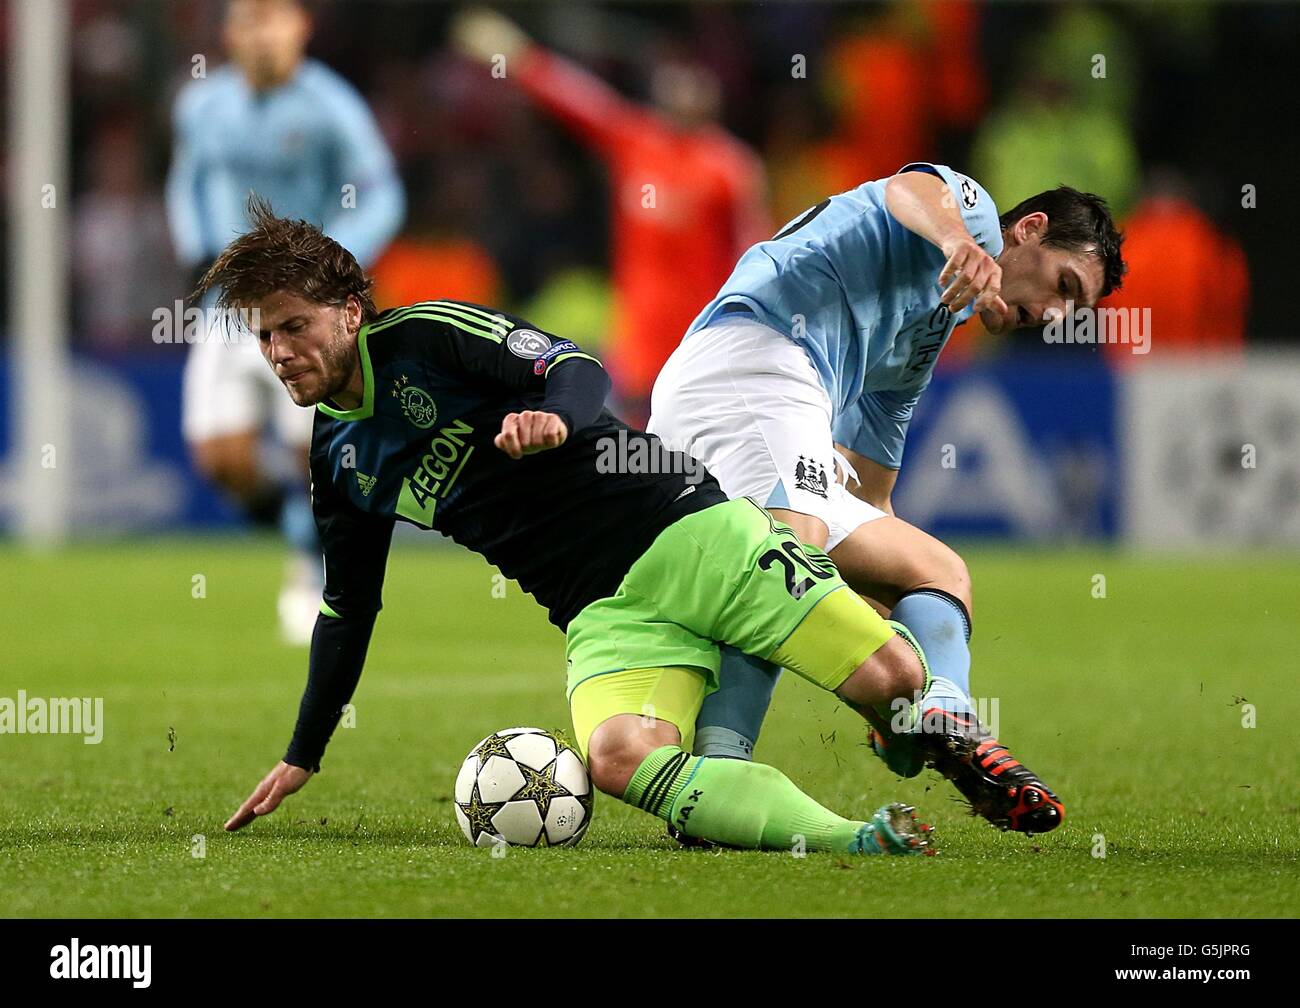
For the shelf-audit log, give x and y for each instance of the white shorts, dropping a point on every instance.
(746, 401)
(229, 388)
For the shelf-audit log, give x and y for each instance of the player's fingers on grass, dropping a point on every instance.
(246, 814)
(239, 820)
(272, 801)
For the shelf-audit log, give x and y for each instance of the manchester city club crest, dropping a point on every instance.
(810, 475)
(417, 405)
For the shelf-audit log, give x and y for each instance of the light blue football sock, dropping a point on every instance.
(730, 718)
(942, 628)
(298, 526)
(282, 466)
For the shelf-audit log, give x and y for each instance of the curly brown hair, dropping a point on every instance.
(278, 254)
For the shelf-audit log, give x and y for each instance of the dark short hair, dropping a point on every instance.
(278, 254)
(1077, 221)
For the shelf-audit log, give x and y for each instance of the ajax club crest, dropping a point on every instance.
(417, 405)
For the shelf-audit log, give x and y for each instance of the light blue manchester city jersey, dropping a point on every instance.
(860, 292)
(297, 145)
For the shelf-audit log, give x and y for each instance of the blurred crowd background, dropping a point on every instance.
(522, 193)
(508, 206)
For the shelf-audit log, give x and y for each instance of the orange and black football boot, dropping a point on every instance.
(998, 786)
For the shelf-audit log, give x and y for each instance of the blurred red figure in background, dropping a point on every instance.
(907, 73)
(464, 270)
(687, 196)
(1190, 274)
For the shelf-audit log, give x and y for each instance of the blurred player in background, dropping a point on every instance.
(795, 386)
(687, 196)
(297, 134)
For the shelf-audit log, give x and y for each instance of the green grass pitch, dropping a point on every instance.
(1131, 706)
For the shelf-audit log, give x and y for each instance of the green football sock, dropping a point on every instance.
(735, 802)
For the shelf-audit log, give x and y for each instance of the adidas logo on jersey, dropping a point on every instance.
(366, 483)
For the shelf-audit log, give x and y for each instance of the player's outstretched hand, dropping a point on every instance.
(970, 274)
(530, 432)
(485, 35)
(281, 782)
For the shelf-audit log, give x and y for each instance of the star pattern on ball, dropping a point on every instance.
(540, 786)
(480, 814)
(493, 745)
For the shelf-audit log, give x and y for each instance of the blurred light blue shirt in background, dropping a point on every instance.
(860, 293)
(297, 145)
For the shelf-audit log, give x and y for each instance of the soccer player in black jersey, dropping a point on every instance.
(471, 421)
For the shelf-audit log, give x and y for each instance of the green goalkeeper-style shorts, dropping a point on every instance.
(728, 574)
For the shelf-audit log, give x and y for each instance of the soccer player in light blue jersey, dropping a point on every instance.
(296, 133)
(795, 386)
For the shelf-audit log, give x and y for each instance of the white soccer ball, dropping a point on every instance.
(523, 787)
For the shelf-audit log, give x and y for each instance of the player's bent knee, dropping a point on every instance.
(208, 460)
(620, 744)
(939, 566)
(904, 672)
(228, 462)
(612, 767)
(891, 671)
(954, 574)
